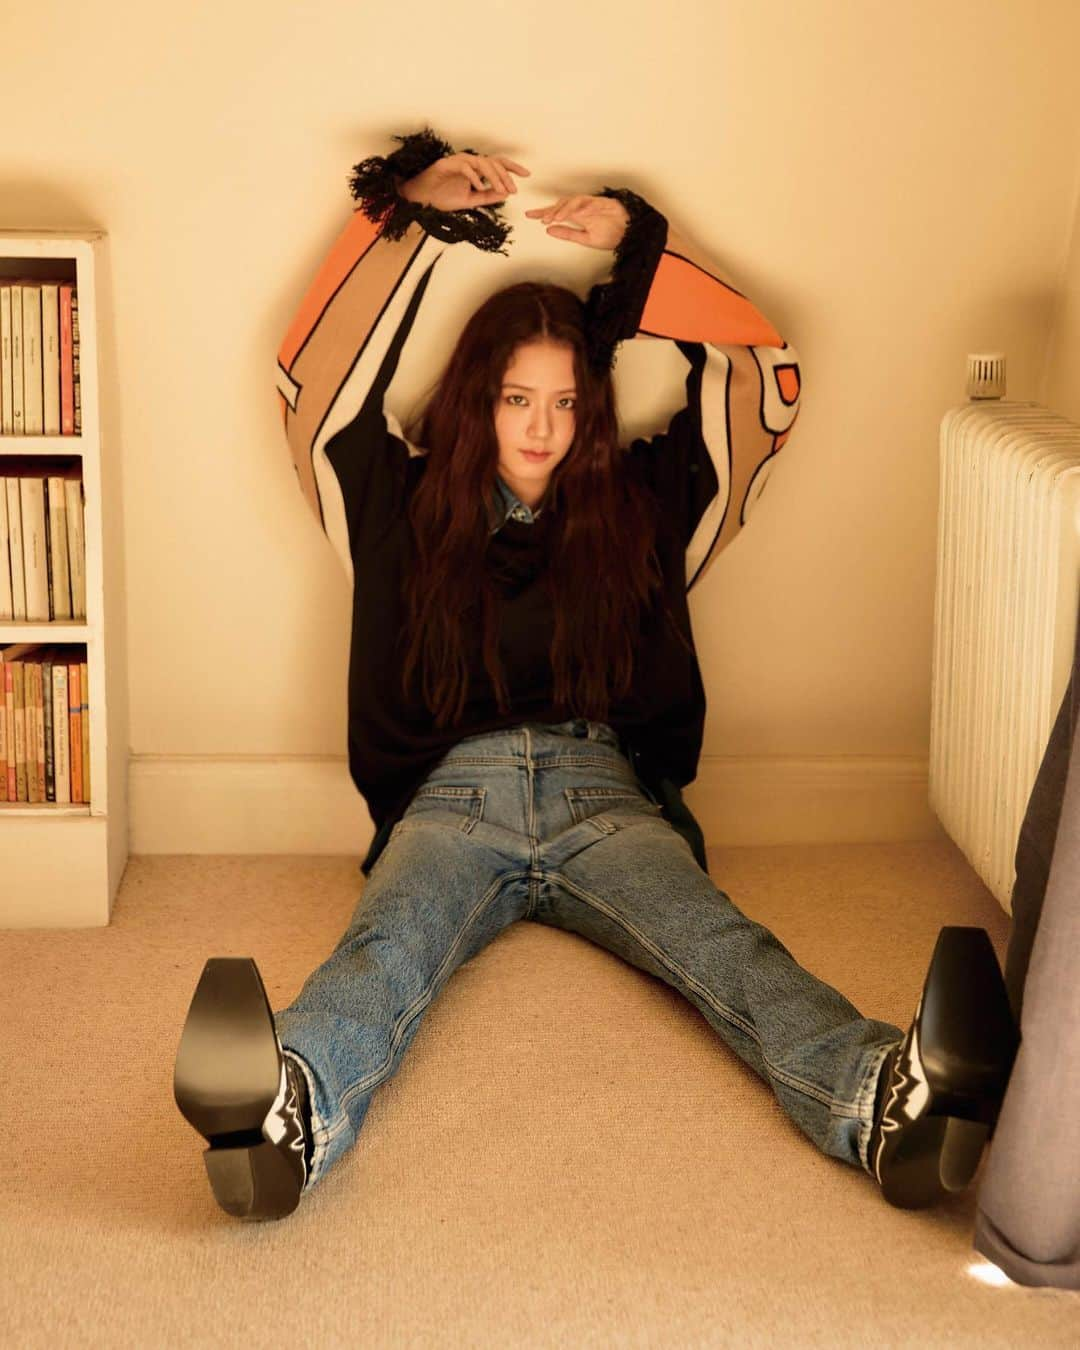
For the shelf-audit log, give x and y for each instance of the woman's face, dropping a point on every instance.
(535, 411)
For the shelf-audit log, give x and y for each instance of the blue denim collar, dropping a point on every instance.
(508, 505)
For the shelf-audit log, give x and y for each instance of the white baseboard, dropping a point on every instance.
(308, 804)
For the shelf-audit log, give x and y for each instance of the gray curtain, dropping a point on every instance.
(1027, 1219)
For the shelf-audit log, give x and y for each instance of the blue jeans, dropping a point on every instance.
(549, 823)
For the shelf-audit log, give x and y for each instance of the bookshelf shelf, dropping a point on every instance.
(39, 631)
(61, 862)
(43, 809)
(42, 445)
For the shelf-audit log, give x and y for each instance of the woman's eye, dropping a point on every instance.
(510, 399)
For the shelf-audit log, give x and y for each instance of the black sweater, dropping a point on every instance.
(357, 472)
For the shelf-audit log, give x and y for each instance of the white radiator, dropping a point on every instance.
(1008, 576)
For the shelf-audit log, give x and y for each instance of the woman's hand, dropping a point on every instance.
(456, 182)
(601, 221)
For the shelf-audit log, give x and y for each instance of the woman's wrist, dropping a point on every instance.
(376, 182)
(380, 184)
(613, 309)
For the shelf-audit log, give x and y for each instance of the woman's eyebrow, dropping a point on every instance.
(532, 388)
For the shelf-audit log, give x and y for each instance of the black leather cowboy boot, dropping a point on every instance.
(944, 1083)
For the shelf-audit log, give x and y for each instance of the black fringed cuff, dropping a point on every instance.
(613, 309)
(374, 184)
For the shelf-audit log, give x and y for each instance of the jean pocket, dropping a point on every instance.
(609, 808)
(458, 808)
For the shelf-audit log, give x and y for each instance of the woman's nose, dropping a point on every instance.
(538, 423)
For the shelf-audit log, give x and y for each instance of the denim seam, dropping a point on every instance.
(807, 1089)
(475, 797)
(865, 1102)
(534, 843)
(643, 812)
(409, 1015)
(452, 761)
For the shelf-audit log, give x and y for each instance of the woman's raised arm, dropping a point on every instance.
(343, 345)
(743, 389)
(743, 386)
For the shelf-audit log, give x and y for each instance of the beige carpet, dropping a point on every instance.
(568, 1156)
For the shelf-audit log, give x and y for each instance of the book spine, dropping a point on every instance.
(28, 729)
(86, 733)
(33, 401)
(47, 712)
(30, 732)
(76, 382)
(49, 566)
(60, 718)
(34, 556)
(9, 707)
(7, 424)
(39, 735)
(50, 356)
(75, 729)
(76, 533)
(67, 373)
(16, 359)
(58, 545)
(15, 540)
(3, 735)
(6, 607)
(20, 732)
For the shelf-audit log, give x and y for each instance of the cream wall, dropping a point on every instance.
(1060, 388)
(894, 186)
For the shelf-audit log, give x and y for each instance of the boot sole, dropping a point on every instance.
(225, 1080)
(967, 1042)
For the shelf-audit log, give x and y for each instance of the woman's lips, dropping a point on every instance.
(536, 455)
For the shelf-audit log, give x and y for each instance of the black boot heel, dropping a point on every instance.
(948, 1076)
(961, 1151)
(228, 1079)
(252, 1181)
(967, 1034)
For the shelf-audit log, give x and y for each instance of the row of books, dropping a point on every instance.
(44, 724)
(42, 543)
(40, 391)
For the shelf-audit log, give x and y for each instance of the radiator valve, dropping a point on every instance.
(985, 375)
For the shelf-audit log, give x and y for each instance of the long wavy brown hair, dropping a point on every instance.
(603, 568)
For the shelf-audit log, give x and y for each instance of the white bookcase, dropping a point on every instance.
(61, 865)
